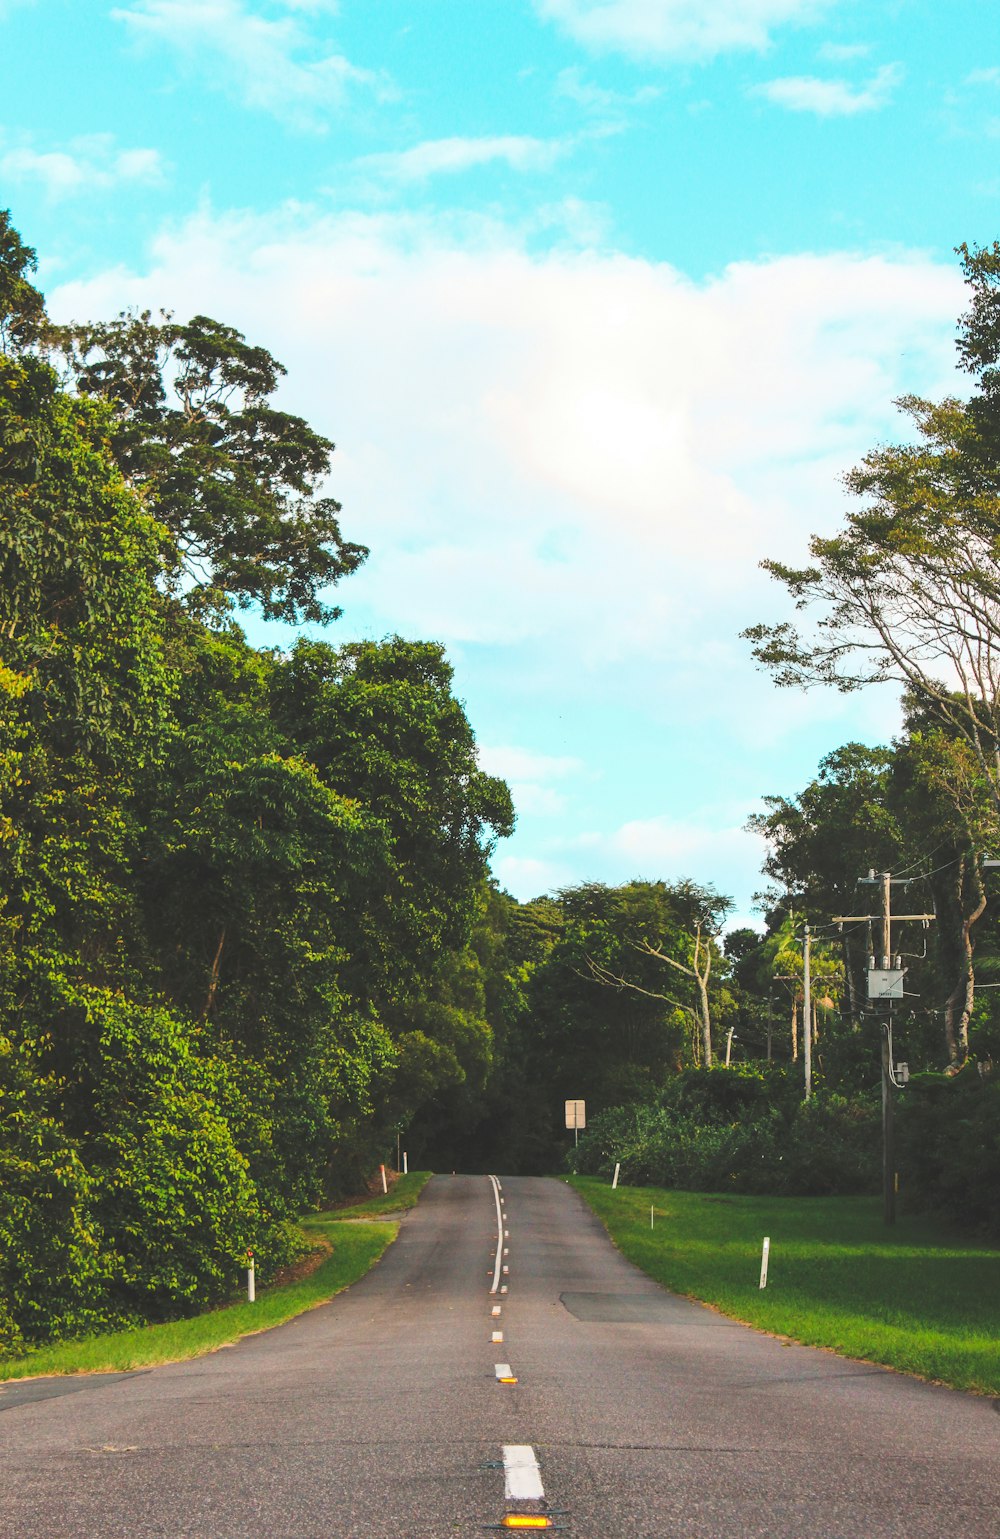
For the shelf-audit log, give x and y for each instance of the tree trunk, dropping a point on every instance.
(958, 1006)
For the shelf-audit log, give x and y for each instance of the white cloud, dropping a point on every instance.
(832, 98)
(581, 449)
(527, 877)
(447, 156)
(572, 84)
(678, 847)
(273, 65)
(677, 28)
(989, 76)
(568, 464)
(530, 776)
(844, 53)
(86, 165)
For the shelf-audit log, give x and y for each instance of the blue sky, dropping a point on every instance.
(599, 298)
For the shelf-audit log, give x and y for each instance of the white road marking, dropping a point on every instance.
(496, 1311)
(521, 1475)
(496, 1269)
(497, 1338)
(503, 1288)
(504, 1371)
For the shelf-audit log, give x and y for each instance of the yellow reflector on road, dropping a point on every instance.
(526, 1520)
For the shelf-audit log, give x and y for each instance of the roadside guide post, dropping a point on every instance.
(251, 1279)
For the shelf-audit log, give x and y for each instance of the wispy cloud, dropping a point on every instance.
(94, 163)
(437, 157)
(533, 777)
(844, 53)
(989, 76)
(273, 65)
(832, 98)
(571, 84)
(667, 29)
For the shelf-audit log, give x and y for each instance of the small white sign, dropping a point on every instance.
(576, 1114)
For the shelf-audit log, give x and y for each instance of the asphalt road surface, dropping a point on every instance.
(382, 1415)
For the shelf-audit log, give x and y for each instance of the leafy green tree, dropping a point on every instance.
(381, 725)
(235, 481)
(909, 590)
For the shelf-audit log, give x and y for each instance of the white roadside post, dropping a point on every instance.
(618, 1167)
(406, 1168)
(385, 1184)
(765, 1252)
(251, 1279)
(576, 1118)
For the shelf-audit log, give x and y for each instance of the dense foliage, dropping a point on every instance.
(237, 887)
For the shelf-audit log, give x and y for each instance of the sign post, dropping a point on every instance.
(576, 1118)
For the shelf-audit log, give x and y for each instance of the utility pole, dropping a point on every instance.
(884, 985)
(806, 1011)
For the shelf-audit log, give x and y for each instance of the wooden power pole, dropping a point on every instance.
(885, 984)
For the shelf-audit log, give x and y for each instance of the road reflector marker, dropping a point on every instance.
(503, 1287)
(497, 1338)
(505, 1374)
(526, 1520)
(506, 1251)
(496, 1311)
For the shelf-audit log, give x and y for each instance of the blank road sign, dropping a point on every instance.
(576, 1114)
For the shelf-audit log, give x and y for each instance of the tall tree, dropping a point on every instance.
(909, 590)
(235, 481)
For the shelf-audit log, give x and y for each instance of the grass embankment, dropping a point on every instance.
(912, 1297)
(354, 1249)
(402, 1195)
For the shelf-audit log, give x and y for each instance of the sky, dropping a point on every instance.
(599, 299)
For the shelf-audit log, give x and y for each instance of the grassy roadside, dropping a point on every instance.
(355, 1249)
(402, 1195)
(913, 1297)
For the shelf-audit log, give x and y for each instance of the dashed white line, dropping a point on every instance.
(521, 1475)
(496, 1269)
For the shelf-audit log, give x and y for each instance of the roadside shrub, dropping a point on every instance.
(53, 1271)
(948, 1148)
(828, 1147)
(173, 1194)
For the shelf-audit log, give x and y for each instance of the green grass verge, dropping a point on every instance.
(912, 1297)
(401, 1196)
(356, 1248)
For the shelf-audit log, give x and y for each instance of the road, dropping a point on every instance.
(635, 1415)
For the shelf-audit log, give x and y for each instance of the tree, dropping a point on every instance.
(235, 481)
(909, 590)
(705, 910)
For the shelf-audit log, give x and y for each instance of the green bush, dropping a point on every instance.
(53, 1270)
(828, 1147)
(173, 1194)
(948, 1147)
